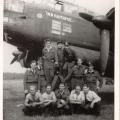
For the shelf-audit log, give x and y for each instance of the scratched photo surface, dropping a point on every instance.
(88, 27)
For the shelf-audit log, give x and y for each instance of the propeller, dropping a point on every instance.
(13, 60)
(18, 55)
(104, 23)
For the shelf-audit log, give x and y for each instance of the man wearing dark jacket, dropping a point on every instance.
(62, 95)
(70, 59)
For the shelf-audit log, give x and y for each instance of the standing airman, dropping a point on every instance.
(60, 54)
(49, 60)
(70, 59)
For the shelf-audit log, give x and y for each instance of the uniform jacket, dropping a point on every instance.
(76, 72)
(69, 55)
(60, 54)
(30, 77)
(93, 77)
(50, 56)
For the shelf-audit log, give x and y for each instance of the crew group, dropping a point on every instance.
(61, 71)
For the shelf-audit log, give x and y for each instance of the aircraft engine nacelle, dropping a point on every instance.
(106, 26)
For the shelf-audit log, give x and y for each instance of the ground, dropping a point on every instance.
(13, 97)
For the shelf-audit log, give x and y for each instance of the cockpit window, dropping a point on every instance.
(70, 9)
(14, 5)
(55, 5)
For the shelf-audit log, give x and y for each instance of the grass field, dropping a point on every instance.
(13, 96)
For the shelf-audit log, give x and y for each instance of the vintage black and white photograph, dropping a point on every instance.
(59, 59)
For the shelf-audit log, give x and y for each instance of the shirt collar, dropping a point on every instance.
(48, 49)
(61, 91)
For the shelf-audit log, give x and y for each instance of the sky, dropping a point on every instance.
(98, 6)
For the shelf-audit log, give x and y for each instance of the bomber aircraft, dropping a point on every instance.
(28, 24)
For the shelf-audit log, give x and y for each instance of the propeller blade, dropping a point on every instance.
(13, 60)
(104, 53)
(86, 16)
(111, 13)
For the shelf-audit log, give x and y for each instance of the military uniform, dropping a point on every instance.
(70, 59)
(61, 60)
(41, 79)
(76, 76)
(49, 58)
(31, 78)
(91, 79)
